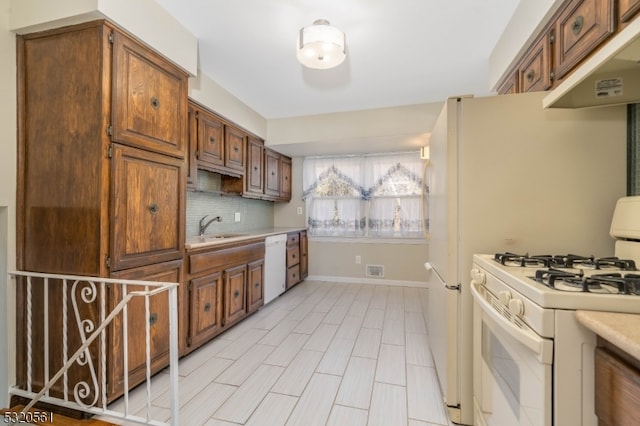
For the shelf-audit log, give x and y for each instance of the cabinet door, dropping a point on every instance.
(210, 141)
(156, 317)
(205, 308)
(255, 165)
(235, 145)
(272, 173)
(147, 201)
(255, 290)
(149, 99)
(580, 29)
(235, 303)
(617, 385)
(534, 72)
(285, 179)
(627, 9)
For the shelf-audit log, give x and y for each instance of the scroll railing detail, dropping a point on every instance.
(89, 294)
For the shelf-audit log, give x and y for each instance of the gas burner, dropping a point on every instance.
(523, 260)
(564, 261)
(607, 283)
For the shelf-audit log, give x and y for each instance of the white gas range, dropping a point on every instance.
(533, 362)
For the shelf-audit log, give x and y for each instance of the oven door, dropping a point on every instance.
(512, 366)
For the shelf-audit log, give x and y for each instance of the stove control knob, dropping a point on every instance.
(478, 276)
(516, 307)
(504, 297)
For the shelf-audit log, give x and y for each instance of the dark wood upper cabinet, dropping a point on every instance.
(149, 99)
(534, 73)
(580, 28)
(192, 159)
(272, 161)
(627, 9)
(254, 177)
(235, 143)
(211, 142)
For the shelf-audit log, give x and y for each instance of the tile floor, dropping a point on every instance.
(321, 354)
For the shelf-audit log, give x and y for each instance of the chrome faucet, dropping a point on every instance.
(204, 226)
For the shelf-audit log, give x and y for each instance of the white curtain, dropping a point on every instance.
(371, 195)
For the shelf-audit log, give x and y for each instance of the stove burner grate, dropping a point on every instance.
(607, 283)
(564, 261)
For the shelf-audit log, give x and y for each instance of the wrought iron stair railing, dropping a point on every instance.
(89, 393)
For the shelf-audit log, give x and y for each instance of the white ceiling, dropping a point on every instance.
(399, 52)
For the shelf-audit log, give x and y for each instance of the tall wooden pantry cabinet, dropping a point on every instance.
(101, 184)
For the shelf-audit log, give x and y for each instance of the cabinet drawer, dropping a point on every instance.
(293, 276)
(617, 387)
(580, 29)
(217, 258)
(534, 73)
(293, 239)
(293, 255)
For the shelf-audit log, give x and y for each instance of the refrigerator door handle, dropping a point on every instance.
(452, 287)
(430, 267)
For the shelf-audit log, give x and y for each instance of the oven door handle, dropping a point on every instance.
(543, 348)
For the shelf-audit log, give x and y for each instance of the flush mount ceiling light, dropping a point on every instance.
(321, 46)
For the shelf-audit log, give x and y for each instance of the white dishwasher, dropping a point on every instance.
(275, 266)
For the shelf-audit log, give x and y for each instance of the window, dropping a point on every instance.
(381, 195)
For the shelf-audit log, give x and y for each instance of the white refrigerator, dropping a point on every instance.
(507, 175)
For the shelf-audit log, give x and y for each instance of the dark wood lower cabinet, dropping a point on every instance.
(235, 303)
(297, 258)
(225, 285)
(156, 316)
(617, 386)
(205, 313)
(255, 289)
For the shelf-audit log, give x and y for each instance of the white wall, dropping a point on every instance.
(376, 130)
(7, 200)
(204, 90)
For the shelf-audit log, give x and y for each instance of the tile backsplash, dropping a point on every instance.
(208, 200)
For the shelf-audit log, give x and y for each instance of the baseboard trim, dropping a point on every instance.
(374, 281)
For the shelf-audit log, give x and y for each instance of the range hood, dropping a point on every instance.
(611, 76)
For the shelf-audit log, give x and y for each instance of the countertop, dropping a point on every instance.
(206, 240)
(623, 330)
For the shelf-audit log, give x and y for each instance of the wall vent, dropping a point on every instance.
(376, 271)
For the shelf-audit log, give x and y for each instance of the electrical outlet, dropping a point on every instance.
(358, 260)
(299, 210)
(237, 217)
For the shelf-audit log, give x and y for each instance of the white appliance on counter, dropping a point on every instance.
(506, 174)
(275, 266)
(533, 362)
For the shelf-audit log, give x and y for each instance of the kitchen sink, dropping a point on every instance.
(208, 237)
